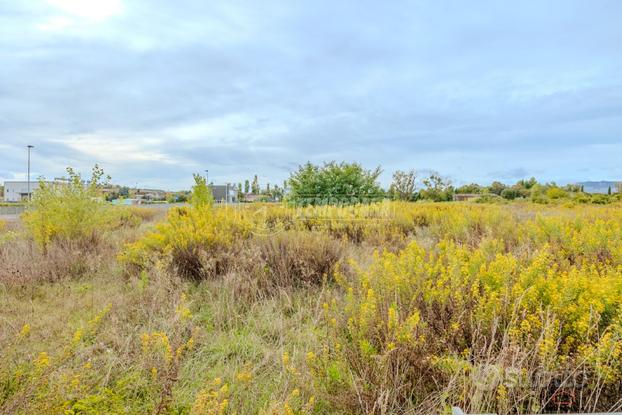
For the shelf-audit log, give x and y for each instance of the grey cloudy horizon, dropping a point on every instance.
(155, 90)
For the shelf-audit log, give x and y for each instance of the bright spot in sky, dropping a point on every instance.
(97, 10)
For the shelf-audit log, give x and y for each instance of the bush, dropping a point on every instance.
(297, 259)
(68, 211)
(556, 193)
(512, 193)
(197, 242)
(599, 199)
(489, 198)
(427, 325)
(63, 259)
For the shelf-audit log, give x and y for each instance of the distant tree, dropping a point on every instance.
(124, 191)
(537, 193)
(255, 186)
(334, 183)
(247, 186)
(511, 193)
(469, 188)
(110, 196)
(555, 192)
(609, 191)
(436, 189)
(201, 193)
(277, 193)
(573, 188)
(403, 185)
(239, 191)
(497, 188)
(268, 188)
(527, 184)
(582, 189)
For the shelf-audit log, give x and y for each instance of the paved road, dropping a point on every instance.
(9, 217)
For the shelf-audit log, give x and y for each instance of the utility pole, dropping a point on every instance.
(29, 147)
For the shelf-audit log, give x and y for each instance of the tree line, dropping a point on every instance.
(344, 183)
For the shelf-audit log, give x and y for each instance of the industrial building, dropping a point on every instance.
(224, 193)
(17, 191)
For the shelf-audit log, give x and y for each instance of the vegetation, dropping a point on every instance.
(69, 211)
(334, 183)
(391, 307)
(403, 185)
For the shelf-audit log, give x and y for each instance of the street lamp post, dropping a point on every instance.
(29, 147)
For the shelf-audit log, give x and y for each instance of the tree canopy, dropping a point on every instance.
(334, 183)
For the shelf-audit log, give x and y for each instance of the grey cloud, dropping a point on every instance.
(484, 87)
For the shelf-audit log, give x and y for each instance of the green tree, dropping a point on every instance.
(277, 193)
(201, 193)
(527, 184)
(334, 183)
(511, 193)
(403, 185)
(469, 188)
(573, 188)
(240, 193)
(255, 186)
(437, 189)
(609, 191)
(497, 188)
(247, 186)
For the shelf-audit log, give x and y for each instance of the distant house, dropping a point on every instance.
(150, 194)
(465, 197)
(224, 193)
(251, 197)
(17, 191)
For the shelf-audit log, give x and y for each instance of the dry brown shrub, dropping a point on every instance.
(293, 259)
(23, 262)
(198, 262)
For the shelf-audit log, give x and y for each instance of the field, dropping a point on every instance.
(385, 308)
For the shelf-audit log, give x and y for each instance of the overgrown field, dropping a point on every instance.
(386, 308)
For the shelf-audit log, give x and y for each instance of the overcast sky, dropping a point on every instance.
(154, 90)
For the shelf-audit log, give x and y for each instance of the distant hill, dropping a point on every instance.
(599, 187)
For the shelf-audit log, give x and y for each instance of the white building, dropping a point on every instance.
(17, 191)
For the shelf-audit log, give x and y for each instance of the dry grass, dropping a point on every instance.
(265, 324)
(296, 259)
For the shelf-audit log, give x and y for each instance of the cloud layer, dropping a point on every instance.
(155, 90)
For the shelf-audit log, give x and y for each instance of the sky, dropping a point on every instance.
(154, 90)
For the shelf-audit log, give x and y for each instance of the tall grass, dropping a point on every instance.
(271, 309)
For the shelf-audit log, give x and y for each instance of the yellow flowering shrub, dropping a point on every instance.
(67, 211)
(542, 296)
(197, 240)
